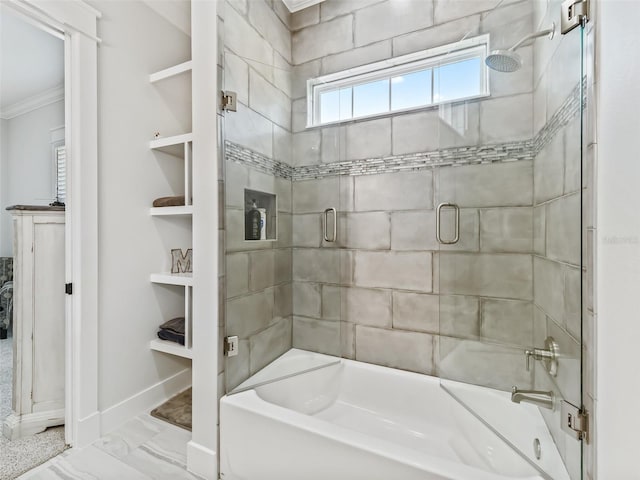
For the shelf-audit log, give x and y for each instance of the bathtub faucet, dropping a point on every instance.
(536, 397)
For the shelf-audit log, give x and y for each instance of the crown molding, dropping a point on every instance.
(296, 5)
(27, 105)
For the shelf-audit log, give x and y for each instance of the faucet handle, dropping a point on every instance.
(549, 355)
(528, 354)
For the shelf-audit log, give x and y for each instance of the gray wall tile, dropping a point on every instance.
(371, 230)
(337, 36)
(311, 196)
(507, 321)
(563, 229)
(366, 307)
(459, 316)
(486, 364)
(549, 287)
(249, 129)
(415, 311)
(316, 265)
(237, 274)
(413, 230)
(307, 300)
(250, 314)
(506, 230)
(372, 23)
(368, 139)
(506, 119)
(539, 230)
(269, 24)
(331, 302)
(497, 185)
(487, 274)
(320, 336)
(333, 8)
(548, 169)
(269, 344)
(394, 191)
(435, 36)
(283, 300)
(306, 148)
(261, 270)
(356, 57)
(305, 17)
(401, 270)
(307, 230)
(396, 349)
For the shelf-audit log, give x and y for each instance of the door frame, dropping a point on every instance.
(75, 22)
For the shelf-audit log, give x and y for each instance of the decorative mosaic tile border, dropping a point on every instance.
(248, 157)
(471, 155)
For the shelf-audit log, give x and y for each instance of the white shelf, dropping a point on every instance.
(172, 145)
(183, 279)
(172, 348)
(170, 72)
(183, 210)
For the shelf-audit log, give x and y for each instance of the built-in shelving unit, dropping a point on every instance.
(184, 210)
(173, 348)
(170, 72)
(174, 145)
(179, 146)
(183, 279)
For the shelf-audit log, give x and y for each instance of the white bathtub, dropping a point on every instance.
(356, 421)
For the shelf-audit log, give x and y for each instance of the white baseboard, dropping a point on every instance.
(87, 430)
(202, 461)
(144, 401)
(20, 426)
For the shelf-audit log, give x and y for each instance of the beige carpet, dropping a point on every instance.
(19, 456)
(176, 410)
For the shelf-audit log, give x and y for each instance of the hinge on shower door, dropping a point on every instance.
(573, 13)
(574, 421)
(229, 101)
(231, 346)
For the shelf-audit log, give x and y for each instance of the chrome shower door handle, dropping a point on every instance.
(335, 225)
(456, 208)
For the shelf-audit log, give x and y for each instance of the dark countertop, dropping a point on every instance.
(37, 208)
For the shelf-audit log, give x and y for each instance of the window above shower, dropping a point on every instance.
(445, 74)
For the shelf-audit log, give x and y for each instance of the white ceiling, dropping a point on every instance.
(31, 60)
(295, 5)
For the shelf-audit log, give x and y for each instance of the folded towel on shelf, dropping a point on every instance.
(171, 336)
(174, 201)
(175, 325)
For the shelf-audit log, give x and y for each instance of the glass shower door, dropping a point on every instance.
(510, 288)
(281, 251)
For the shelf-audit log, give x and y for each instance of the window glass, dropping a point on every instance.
(411, 90)
(445, 74)
(457, 80)
(371, 98)
(335, 105)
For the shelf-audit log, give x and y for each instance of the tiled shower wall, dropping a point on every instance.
(387, 292)
(258, 290)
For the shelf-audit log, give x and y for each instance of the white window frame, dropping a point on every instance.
(393, 67)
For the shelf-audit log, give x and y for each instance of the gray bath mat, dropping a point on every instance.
(176, 410)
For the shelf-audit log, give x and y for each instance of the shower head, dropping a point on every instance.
(508, 61)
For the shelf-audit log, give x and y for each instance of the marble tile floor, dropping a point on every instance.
(142, 449)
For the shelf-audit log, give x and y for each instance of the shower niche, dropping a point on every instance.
(260, 216)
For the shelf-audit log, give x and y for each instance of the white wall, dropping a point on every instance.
(618, 243)
(136, 42)
(5, 245)
(28, 164)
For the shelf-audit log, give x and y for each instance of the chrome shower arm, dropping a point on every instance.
(549, 31)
